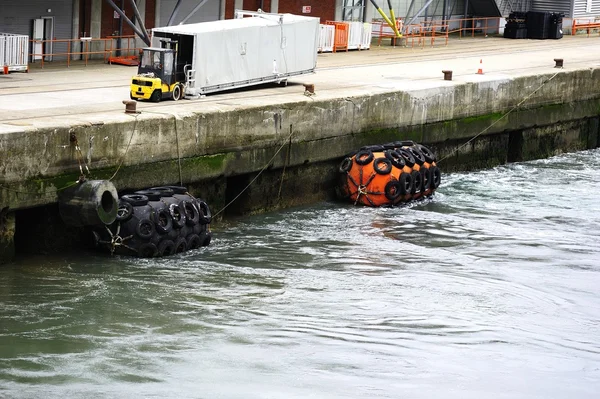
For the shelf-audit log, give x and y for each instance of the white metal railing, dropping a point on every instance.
(13, 51)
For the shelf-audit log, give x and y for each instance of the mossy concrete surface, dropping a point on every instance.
(150, 148)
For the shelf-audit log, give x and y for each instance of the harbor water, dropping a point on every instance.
(490, 290)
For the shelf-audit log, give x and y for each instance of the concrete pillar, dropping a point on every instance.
(370, 12)
(95, 26)
(338, 10)
(96, 19)
(238, 5)
(141, 4)
(157, 21)
(274, 6)
(7, 236)
(75, 27)
(222, 4)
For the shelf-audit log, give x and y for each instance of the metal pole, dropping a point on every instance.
(193, 11)
(418, 13)
(385, 17)
(122, 14)
(140, 20)
(174, 13)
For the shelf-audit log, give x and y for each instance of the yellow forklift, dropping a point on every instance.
(159, 76)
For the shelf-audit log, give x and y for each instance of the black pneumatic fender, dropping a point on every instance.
(436, 177)
(192, 215)
(193, 241)
(166, 248)
(124, 211)
(145, 229)
(163, 221)
(135, 199)
(205, 214)
(177, 215)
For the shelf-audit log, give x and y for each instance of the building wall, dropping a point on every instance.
(561, 6)
(16, 16)
(323, 9)
(110, 24)
(586, 8)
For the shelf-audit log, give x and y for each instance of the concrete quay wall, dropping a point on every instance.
(152, 148)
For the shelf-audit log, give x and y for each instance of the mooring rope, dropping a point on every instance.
(259, 173)
(497, 120)
(127, 148)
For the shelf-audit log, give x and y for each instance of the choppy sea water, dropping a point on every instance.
(490, 290)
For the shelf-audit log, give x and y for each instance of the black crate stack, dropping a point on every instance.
(534, 25)
(516, 26)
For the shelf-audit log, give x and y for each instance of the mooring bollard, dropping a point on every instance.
(130, 106)
(559, 63)
(447, 75)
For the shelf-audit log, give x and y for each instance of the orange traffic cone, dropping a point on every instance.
(480, 70)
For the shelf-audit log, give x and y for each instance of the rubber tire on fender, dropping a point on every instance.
(177, 215)
(406, 183)
(436, 177)
(395, 158)
(386, 169)
(417, 185)
(164, 191)
(346, 165)
(163, 221)
(426, 178)
(392, 190)
(152, 195)
(205, 238)
(177, 93)
(180, 245)
(192, 215)
(193, 242)
(176, 189)
(408, 158)
(135, 199)
(166, 248)
(124, 211)
(427, 153)
(145, 229)
(368, 157)
(204, 212)
(417, 155)
(147, 250)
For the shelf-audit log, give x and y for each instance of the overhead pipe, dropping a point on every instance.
(418, 14)
(393, 18)
(193, 11)
(135, 28)
(140, 20)
(385, 17)
(174, 13)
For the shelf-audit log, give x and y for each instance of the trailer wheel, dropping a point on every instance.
(156, 95)
(177, 93)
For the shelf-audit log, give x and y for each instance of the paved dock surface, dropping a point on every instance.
(58, 96)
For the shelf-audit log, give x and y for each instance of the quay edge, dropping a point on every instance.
(221, 152)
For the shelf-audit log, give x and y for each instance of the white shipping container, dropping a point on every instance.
(250, 49)
(13, 51)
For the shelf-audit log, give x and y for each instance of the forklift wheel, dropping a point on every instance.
(177, 93)
(156, 95)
